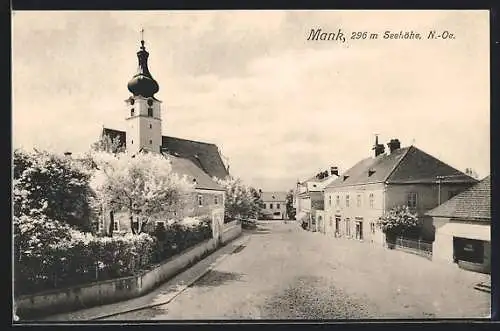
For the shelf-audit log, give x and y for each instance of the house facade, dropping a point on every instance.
(463, 229)
(274, 205)
(309, 198)
(199, 161)
(405, 176)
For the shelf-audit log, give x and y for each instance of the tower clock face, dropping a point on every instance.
(150, 102)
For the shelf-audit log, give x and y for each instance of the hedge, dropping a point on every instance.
(50, 255)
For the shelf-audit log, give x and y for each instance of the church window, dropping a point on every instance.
(150, 102)
(200, 200)
(216, 200)
(132, 112)
(150, 112)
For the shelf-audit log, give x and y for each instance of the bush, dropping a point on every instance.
(49, 254)
(179, 235)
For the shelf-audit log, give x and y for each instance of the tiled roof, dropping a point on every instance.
(420, 167)
(403, 166)
(472, 204)
(273, 196)
(381, 167)
(204, 155)
(183, 166)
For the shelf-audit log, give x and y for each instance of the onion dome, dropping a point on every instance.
(143, 84)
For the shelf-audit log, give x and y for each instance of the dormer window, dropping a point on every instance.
(150, 112)
(345, 177)
(371, 172)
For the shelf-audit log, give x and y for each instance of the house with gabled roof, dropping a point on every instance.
(405, 176)
(309, 198)
(200, 162)
(463, 228)
(274, 205)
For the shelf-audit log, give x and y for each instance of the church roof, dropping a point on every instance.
(183, 166)
(203, 155)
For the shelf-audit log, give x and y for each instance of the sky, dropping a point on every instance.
(280, 107)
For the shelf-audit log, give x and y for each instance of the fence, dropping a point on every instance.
(418, 247)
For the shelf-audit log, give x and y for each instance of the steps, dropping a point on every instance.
(483, 287)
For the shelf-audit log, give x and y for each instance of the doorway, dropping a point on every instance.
(359, 230)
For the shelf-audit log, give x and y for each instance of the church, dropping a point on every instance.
(199, 161)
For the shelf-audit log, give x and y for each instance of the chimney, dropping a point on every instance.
(334, 171)
(394, 144)
(378, 148)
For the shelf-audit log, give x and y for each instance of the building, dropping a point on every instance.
(309, 198)
(463, 228)
(405, 176)
(199, 161)
(274, 205)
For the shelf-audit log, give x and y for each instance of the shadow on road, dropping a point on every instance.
(217, 278)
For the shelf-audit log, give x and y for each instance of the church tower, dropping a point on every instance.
(144, 110)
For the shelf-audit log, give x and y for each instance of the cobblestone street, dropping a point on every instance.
(285, 272)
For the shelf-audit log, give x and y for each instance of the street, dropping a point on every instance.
(284, 272)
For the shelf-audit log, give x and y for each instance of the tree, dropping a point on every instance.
(108, 144)
(142, 185)
(241, 201)
(399, 221)
(51, 185)
(290, 211)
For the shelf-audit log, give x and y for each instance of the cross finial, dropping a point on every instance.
(142, 38)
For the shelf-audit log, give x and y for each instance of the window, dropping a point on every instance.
(372, 227)
(270, 206)
(347, 227)
(412, 200)
(132, 112)
(331, 221)
(216, 200)
(371, 200)
(150, 126)
(358, 200)
(347, 201)
(116, 226)
(330, 200)
(277, 206)
(337, 202)
(150, 112)
(200, 200)
(132, 142)
(160, 223)
(100, 225)
(150, 141)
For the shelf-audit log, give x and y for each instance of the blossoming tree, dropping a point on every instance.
(142, 185)
(51, 185)
(399, 221)
(241, 201)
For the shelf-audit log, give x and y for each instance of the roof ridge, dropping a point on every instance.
(194, 141)
(399, 162)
